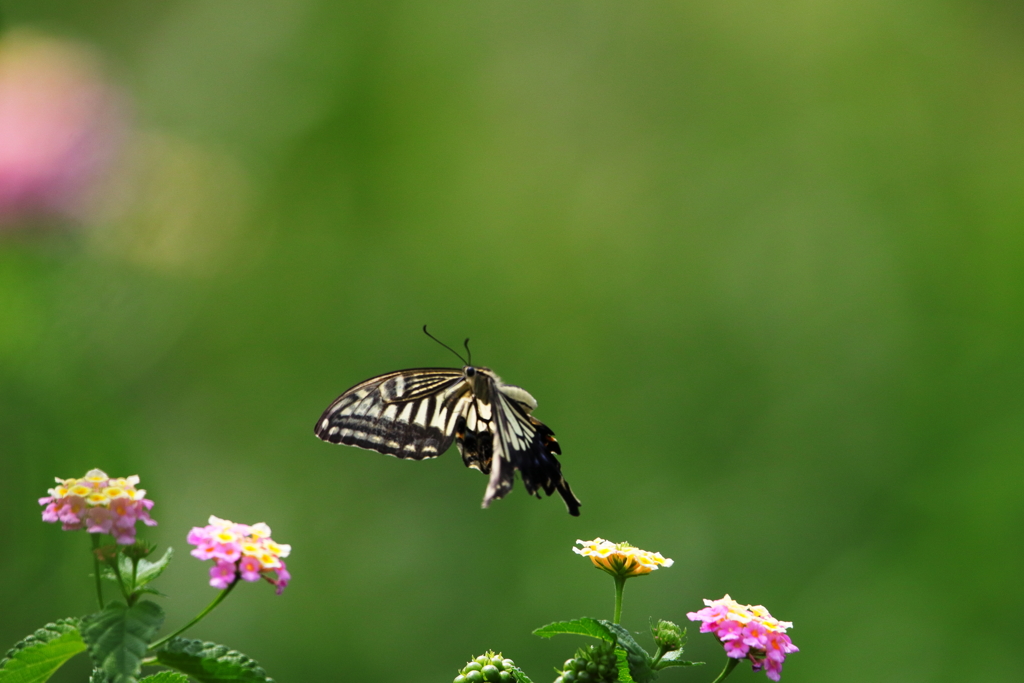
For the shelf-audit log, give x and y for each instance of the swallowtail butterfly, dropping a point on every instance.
(417, 414)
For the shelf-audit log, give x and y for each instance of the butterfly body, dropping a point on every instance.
(418, 413)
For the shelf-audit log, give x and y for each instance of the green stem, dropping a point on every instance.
(120, 579)
(209, 608)
(135, 576)
(729, 666)
(620, 583)
(96, 568)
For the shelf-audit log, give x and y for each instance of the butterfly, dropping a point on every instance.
(417, 413)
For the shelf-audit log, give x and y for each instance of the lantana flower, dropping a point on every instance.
(100, 504)
(62, 124)
(621, 560)
(240, 551)
(747, 632)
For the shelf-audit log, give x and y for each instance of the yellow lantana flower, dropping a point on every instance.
(621, 560)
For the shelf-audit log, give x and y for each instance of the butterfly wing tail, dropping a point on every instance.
(571, 501)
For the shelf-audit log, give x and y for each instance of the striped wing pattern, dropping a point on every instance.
(418, 413)
(407, 414)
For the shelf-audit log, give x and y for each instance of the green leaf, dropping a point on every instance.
(623, 663)
(584, 626)
(98, 676)
(37, 657)
(210, 663)
(147, 571)
(675, 659)
(124, 564)
(165, 677)
(118, 637)
(638, 659)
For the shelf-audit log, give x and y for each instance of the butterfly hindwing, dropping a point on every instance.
(530, 447)
(407, 414)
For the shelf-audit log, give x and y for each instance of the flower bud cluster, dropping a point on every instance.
(747, 631)
(621, 559)
(489, 667)
(595, 664)
(99, 504)
(240, 551)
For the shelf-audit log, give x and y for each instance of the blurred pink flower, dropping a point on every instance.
(747, 631)
(240, 551)
(61, 125)
(99, 504)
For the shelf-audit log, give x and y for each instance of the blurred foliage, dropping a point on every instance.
(760, 263)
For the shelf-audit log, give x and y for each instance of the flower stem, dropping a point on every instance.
(209, 608)
(620, 583)
(96, 568)
(729, 666)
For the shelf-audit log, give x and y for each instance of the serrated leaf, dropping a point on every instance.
(147, 571)
(165, 677)
(37, 657)
(211, 663)
(584, 626)
(118, 636)
(637, 657)
(675, 658)
(520, 675)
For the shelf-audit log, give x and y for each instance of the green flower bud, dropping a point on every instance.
(473, 666)
(491, 673)
(583, 676)
(483, 659)
(668, 636)
(504, 676)
(474, 677)
(569, 677)
(459, 679)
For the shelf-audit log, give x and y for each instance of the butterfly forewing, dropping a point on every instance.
(407, 414)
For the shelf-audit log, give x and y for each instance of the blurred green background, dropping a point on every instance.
(762, 265)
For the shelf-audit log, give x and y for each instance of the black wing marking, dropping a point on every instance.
(522, 443)
(407, 414)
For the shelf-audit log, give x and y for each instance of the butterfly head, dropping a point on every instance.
(480, 379)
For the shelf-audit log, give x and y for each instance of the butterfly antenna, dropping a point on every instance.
(468, 352)
(445, 345)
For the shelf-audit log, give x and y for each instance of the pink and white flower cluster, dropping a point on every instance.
(240, 550)
(99, 504)
(747, 631)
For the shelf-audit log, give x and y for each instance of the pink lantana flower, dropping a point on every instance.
(747, 631)
(240, 551)
(62, 124)
(99, 504)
